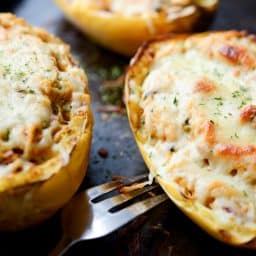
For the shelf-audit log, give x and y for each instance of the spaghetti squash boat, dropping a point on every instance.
(45, 124)
(122, 25)
(192, 108)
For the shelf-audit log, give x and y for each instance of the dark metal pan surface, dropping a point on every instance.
(165, 230)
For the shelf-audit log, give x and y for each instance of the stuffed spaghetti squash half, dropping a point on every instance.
(45, 124)
(192, 108)
(122, 25)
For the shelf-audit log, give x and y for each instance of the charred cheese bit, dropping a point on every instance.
(197, 102)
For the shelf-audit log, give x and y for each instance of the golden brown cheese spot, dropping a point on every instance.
(230, 150)
(237, 56)
(204, 86)
(248, 114)
(209, 132)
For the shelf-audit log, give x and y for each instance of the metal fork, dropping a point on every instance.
(90, 215)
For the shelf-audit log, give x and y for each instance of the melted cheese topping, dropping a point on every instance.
(142, 7)
(157, 15)
(40, 90)
(172, 9)
(198, 121)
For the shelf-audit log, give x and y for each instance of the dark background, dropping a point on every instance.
(165, 230)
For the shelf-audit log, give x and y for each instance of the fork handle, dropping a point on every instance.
(62, 247)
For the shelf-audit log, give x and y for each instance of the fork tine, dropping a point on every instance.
(124, 197)
(83, 220)
(135, 179)
(125, 215)
(103, 189)
(110, 186)
(108, 222)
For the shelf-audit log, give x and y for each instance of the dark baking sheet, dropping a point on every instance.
(165, 230)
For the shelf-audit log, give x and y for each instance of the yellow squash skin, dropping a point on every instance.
(31, 204)
(28, 198)
(148, 60)
(125, 33)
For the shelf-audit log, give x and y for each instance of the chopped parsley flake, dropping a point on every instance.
(219, 101)
(20, 74)
(235, 136)
(175, 101)
(217, 73)
(245, 193)
(243, 89)
(241, 96)
(236, 94)
(242, 104)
